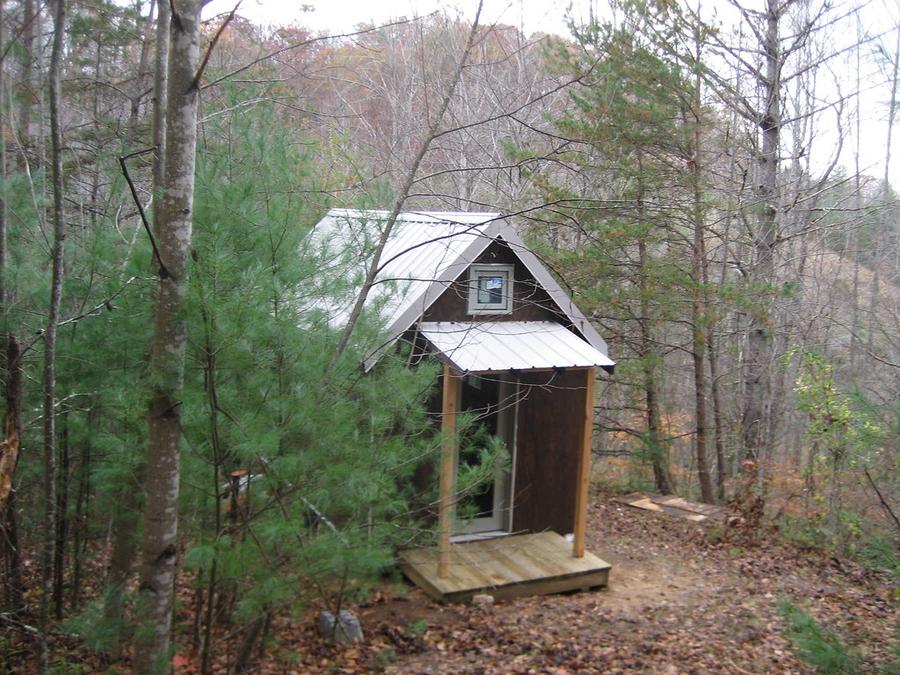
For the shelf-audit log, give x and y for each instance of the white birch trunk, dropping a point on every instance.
(160, 543)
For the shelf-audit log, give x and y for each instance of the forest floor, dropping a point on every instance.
(682, 598)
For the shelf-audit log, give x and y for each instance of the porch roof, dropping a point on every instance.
(499, 346)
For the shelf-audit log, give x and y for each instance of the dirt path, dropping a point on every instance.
(678, 602)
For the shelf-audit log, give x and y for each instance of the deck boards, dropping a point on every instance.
(506, 567)
(674, 506)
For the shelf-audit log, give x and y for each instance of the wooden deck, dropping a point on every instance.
(507, 567)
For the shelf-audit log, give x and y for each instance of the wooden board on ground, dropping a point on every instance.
(675, 506)
(506, 567)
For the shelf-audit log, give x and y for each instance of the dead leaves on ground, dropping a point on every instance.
(682, 602)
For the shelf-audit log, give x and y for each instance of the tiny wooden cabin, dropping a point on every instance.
(517, 353)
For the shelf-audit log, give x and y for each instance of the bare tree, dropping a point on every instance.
(874, 297)
(757, 388)
(780, 59)
(125, 538)
(698, 291)
(163, 471)
(49, 377)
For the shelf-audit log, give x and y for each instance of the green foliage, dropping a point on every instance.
(624, 179)
(847, 435)
(880, 552)
(101, 345)
(99, 633)
(893, 666)
(820, 648)
(386, 657)
(329, 459)
(482, 457)
(869, 546)
(833, 422)
(807, 532)
(417, 627)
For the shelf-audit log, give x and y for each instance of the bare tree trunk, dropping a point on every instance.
(734, 205)
(218, 458)
(30, 20)
(8, 460)
(853, 234)
(701, 432)
(160, 85)
(757, 385)
(252, 633)
(160, 543)
(142, 72)
(15, 588)
(657, 447)
(698, 295)
(718, 425)
(12, 426)
(82, 518)
(711, 340)
(49, 376)
(11, 444)
(125, 541)
(874, 296)
(124, 548)
(62, 520)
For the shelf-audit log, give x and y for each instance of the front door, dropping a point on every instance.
(489, 404)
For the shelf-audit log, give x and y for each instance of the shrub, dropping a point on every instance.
(820, 648)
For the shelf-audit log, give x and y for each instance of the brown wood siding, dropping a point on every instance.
(530, 301)
(549, 431)
(425, 475)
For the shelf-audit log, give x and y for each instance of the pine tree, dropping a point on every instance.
(297, 476)
(627, 141)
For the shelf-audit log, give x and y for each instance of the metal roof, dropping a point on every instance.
(424, 249)
(492, 346)
(425, 252)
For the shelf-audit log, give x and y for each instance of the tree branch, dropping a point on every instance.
(163, 271)
(195, 83)
(884, 503)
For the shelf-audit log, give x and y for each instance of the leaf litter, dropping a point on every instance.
(682, 599)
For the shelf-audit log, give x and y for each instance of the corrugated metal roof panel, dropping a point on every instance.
(423, 248)
(511, 345)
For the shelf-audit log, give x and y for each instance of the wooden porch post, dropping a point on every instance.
(584, 465)
(448, 451)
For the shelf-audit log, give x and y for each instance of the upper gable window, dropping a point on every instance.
(490, 289)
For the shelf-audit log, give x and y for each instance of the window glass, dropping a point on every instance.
(490, 289)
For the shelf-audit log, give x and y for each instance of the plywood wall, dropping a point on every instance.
(548, 444)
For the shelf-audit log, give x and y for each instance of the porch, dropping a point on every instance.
(531, 387)
(505, 567)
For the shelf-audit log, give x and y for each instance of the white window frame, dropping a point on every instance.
(478, 271)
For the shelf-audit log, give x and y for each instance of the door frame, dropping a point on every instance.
(500, 520)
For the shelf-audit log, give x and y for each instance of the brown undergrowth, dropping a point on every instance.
(683, 598)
